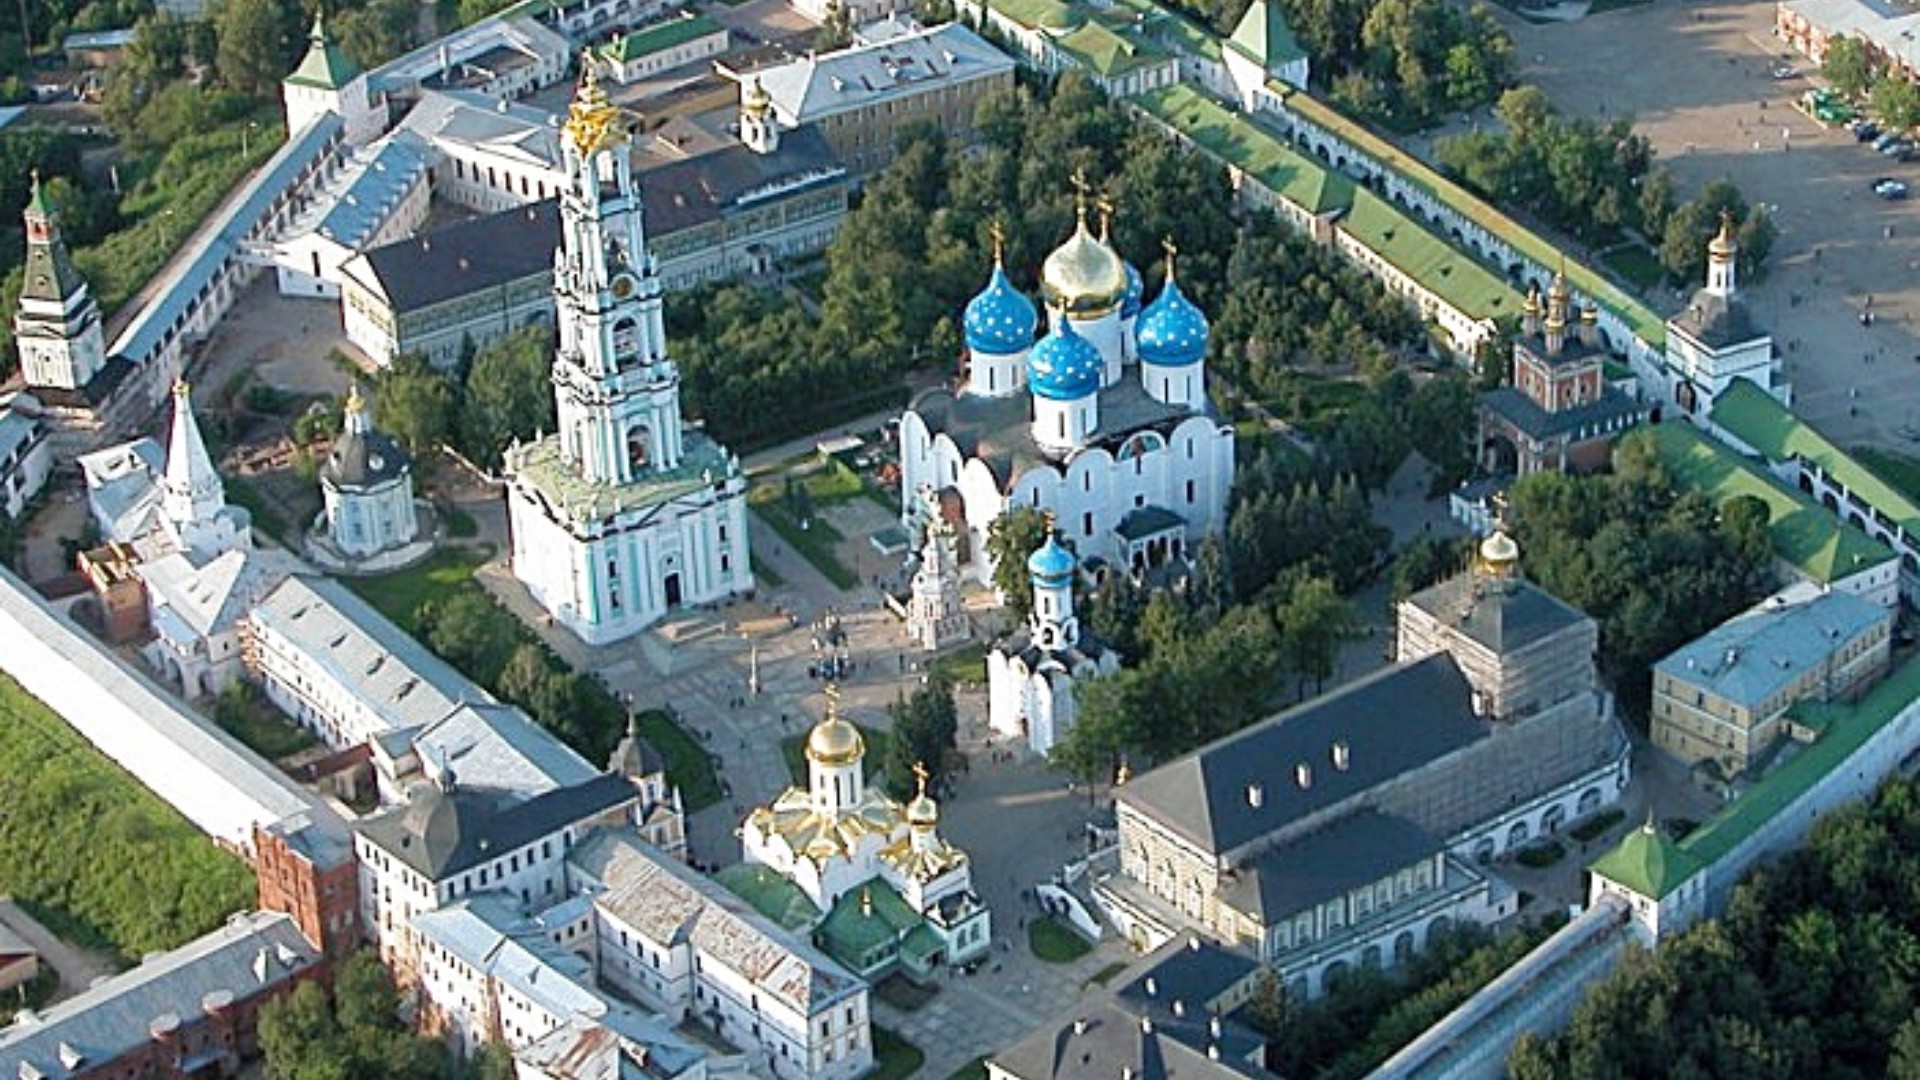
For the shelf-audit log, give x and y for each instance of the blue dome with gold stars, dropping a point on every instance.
(1064, 366)
(1000, 320)
(1136, 293)
(1172, 332)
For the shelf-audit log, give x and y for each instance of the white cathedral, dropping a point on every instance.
(623, 514)
(1104, 421)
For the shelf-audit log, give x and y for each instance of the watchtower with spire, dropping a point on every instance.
(326, 82)
(1715, 339)
(57, 325)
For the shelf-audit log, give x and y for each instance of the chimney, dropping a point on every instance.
(1256, 796)
(1213, 1026)
(1193, 943)
(1080, 1025)
(1146, 1025)
(1303, 775)
(1590, 326)
(1342, 755)
(1153, 987)
(1179, 1009)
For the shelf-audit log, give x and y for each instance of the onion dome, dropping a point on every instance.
(1173, 331)
(1136, 292)
(1083, 275)
(922, 811)
(1499, 553)
(1723, 245)
(1001, 320)
(1051, 565)
(833, 741)
(756, 101)
(1064, 366)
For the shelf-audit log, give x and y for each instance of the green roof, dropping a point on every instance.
(1844, 729)
(1803, 532)
(1263, 37)
(324, 66)
(1447, 271)
(1107, 53)
(1170, 26)
(1641, 319)
(770, 894)
(865, 920)
(1754, 417)
(1038, 14)
(1236, 141)
(658, 38)
(1647, 862)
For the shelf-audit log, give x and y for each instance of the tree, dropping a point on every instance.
(1314, 621)
(415, 403)
(1897, 101)
(376, 32)
(1270, 1008)
(836, 30)
(257, 41)
(300, 1039)
(925, 729)
(1011, 538)
(469, 631)
(509, 394)
(358, 1035)
(1849, 66)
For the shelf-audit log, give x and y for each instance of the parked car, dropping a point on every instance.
(1890, 188)
(1897, 148)
(1784, 71)
(1885, 139)
(1866, 131)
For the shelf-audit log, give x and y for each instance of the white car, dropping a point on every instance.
(1890, 189)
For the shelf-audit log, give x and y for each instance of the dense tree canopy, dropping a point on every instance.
(1813, 971)
(1656, 567)
(357, 1035)
(925, 729)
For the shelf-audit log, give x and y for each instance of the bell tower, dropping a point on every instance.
(617, 394)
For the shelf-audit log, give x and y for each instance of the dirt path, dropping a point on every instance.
(78, 967)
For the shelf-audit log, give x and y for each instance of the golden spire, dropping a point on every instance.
(1723, 245)
(999, 237)
(1167, 245)
(592, 120)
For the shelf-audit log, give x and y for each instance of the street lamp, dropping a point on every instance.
(244, 132)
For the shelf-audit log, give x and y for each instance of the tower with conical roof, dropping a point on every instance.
(759, 127)
(1715, 340)
(193, 501)
(57, 326)
(623, 514)
(327, 81)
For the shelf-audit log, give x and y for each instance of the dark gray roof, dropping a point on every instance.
(441, 833)
(682, 194)
(1147, 521)
(359, 460)
(252, 954)
(1391, 722)
(1717, 321)
(1503, 619)
(1358, 849)
(999, 430)
(1527, 415)
(484, 253)
(1130, 1029)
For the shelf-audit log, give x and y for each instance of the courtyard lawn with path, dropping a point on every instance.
(894, 1058)
(1054, 942)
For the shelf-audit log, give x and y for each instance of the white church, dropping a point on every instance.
(624, 514)
(1715, 340)
(838, 838)
(1031, 675)
(1104, 421)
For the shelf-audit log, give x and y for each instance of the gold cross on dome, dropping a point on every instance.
(920, 776)
(833, 700)
(999, 237)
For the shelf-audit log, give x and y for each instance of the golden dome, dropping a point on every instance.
(756, 101)
(1723, 245)
(1083, 275)
(1498, 551)
(833, 741)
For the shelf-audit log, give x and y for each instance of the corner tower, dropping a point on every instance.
(57, 325)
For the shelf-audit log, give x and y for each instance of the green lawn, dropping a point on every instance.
(399, 595)
(1105, 975)
(894, 1058)
(1636, 264)
(460, 524)
(689, 765)
(89, 851)
(794, 749)
(247, 494)
(1055, 942)
(265, 729)
(972, 1070)
(965, 666)
(815, 543)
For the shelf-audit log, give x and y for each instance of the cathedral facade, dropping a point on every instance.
(1104, 421)
(623, 514)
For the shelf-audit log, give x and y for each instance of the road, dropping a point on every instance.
(78, 968)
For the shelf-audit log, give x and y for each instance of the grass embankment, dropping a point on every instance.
(90, 852)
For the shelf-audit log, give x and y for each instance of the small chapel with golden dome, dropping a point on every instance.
(1104, 419)
(888, 887)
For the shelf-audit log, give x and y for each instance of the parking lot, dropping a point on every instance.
(1698, 77)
